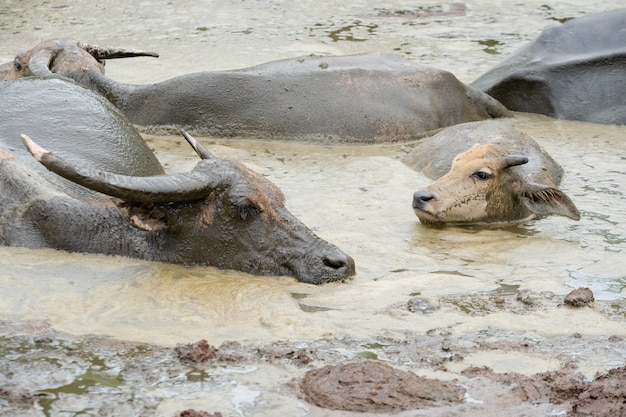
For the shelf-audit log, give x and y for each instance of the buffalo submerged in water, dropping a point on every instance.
(112, 196)
(366, 98)
(574, 71)
(487, 172)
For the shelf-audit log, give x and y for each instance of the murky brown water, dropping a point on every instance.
(358, 197)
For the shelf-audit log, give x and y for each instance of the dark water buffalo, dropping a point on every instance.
(112, 196)
(359, 98)
(487, 172)
(574, 71)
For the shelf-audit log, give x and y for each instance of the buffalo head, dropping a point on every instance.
(64, 57)
(221, 214)
(484, 186)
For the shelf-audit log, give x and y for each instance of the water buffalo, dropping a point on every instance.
(358, 98)
(487, 172)
(574, 71)
(112, 196)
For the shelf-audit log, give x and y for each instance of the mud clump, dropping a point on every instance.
(194, 413)
(196, 352)
(375, 387)
(579, 297)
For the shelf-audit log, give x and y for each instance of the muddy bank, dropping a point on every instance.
(44, 372)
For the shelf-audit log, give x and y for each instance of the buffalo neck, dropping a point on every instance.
(117, 93)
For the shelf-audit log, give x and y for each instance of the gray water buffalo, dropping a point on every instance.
(358, 98)
(487, 172)
(104, 191)
(574, 71)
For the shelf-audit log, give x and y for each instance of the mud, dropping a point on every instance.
(44, 372)
(375, 387)
(604, 396)
(194, 413)
(579, 297)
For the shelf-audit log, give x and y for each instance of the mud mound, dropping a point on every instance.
(200, 351)
(194, 413)
(605, 396)
(556, 387)
(375, 387)
(579, 297)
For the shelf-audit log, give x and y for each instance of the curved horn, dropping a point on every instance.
(194, 185)
(513, 160)
(39, 64)
(202, 152)
(100, 52)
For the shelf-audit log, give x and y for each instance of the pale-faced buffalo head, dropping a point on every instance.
(221, 214)
(484, 186)
(64, 57)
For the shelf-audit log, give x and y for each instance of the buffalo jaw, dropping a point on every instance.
(221, 214)
(483, 186)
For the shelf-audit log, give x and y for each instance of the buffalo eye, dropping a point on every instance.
(481, 175)
(17, 66)
(243, 210)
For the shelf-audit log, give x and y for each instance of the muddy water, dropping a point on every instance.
(358, 197)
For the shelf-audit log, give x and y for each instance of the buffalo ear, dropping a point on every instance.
(545, 201)
(144, 216)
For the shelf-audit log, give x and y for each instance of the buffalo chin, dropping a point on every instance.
(427, 218)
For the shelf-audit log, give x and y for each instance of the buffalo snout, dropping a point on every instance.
(321, 264)
(342, 263)
(421, 198)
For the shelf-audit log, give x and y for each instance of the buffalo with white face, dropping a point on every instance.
(487, 172)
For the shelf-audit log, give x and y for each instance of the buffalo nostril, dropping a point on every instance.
(421, 197)
(339, 261)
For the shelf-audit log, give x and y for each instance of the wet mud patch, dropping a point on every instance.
(195, 413)
(200, 351)
(432, 11)
(374, 386)
(557, 386)
(46, 372)
(483, 303)
(525, 302)
(603, 397)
